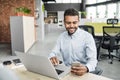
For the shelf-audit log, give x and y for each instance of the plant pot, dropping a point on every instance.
(20, 14)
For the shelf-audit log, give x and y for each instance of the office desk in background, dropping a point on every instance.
(23, 74)
(99, 34)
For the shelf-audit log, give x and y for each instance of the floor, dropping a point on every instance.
(45, 47)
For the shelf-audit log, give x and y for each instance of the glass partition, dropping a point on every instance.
(111, 10)
(91, 12)
(101, 11)
(90, 1)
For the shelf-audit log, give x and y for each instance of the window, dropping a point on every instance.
(59, 1)
(90, 1)
(68, 1)
(98, 1)
(91, 12)
(111, 10)
(75, 1)
(101, 11)
(118, 10)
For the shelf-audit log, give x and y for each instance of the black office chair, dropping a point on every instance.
(110, 41)
(90, 29)
(112, 21)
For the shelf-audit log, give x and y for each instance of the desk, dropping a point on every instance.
(98, 34)
(23, 74)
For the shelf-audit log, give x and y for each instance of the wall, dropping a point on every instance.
(22, 33)
(40, 31)
(60, 18)
(7, 9)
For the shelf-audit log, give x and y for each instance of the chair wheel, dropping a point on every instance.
(110, 61)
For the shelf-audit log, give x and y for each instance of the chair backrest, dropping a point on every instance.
(111, 31)
(88, 28)
(112, 21)
(111, 34)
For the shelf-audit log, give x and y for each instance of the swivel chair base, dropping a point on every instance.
(110, 57)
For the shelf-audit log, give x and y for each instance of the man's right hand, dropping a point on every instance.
(54, 60)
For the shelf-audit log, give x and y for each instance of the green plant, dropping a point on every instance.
(23, 10)
(83, 14)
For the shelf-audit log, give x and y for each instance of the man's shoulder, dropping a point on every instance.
(83, 32)
(64, 33)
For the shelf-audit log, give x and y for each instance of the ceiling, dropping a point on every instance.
(62, 1)
(49, 0)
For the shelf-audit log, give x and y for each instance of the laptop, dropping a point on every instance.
(42, 65)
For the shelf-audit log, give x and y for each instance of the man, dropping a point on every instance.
(75, 45)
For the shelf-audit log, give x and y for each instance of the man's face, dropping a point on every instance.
(71, 23)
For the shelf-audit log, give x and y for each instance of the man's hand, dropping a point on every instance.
(54, 60)
(79, 70)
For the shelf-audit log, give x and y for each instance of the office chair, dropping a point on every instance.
(112, 21)
(110, 41)
(90, 29)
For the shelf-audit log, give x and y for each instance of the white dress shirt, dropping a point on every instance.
(80, 47)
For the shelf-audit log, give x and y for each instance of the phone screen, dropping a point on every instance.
(75, 64)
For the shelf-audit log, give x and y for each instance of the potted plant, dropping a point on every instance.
(21, 11)
(83, 14)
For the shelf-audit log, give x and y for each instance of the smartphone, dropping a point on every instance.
(17, 61)
(75, 64)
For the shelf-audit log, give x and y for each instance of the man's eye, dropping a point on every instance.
(71, 22)
(74, 22)
(68, 22)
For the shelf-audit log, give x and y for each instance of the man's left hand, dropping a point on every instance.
(79, 70)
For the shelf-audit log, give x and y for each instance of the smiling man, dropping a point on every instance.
(75, 45)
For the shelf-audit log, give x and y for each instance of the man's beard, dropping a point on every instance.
(71, 28)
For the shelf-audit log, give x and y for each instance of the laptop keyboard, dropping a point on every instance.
(58, 71)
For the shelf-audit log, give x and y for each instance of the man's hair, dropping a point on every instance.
(71, 12)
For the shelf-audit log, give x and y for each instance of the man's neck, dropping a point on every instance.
(70, 34)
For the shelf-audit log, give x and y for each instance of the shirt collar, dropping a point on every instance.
(76, 33)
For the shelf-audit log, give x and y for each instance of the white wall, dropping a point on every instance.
(60, 18)
(40, 21)
(22, 33)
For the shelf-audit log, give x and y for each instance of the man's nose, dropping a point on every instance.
(71, 25)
